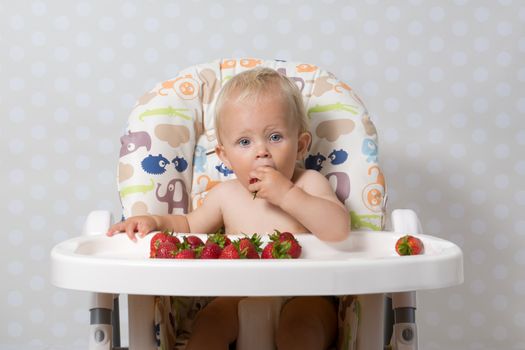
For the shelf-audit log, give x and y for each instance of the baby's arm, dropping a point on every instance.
(205, 219)
(317, 208)
(313, 203)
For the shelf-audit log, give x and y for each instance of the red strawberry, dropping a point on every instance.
(252, 181)
(193, 241)
(166, 250)
(409, 245)
(267, 251)
(295, 248)
(248, 248)
(185, 253)
(219, 238)
(231, 252)
(160, 237)
(210, 251)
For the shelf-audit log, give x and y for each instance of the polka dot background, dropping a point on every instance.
(443, 80)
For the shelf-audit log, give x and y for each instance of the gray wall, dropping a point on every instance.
(444, 81)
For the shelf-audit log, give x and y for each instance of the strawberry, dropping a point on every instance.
(409, 245)
(295, 248)
(193, 241)
(232, 252)
(185, 253)
(166, 250)
(219, 238)
(252, 181)
(209, 251)
(276, 250)
(160, 237)
(248, 248)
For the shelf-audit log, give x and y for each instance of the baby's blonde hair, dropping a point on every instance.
(251, 84)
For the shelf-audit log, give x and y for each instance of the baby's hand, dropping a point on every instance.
(271, 184)
(136, 224)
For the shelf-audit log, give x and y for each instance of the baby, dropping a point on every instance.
(261, 132)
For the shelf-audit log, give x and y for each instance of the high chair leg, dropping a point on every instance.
(141, 322)
(258, 321)
(370, 330)
(404, 336)
(100, 329)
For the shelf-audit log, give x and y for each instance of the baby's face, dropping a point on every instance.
(259, 133)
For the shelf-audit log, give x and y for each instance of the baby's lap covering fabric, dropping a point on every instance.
(167, 161)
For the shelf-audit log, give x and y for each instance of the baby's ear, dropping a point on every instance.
(302, 144)
(221, 153)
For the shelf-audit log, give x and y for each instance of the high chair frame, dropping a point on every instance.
(177, 114)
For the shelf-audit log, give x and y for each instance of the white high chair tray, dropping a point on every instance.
(365, 263)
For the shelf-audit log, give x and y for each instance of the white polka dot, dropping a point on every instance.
(455, 302)
(392, 74)
(107, 54)
(502, 120)
(432, 318)
(61, 176)
(61, 207)
(37, 253)
(481, 44)
(501, 181)
(436, 44)
(504, 59)
(17, 176)
(17, 115)
(151, 25)
(17, 84)
(479, 167)
(500, 271)
(519, 257)
(519, 198)
(415, 28)
(239, 25)
(482, 14)
(16, 53)
(83, 39)
(521, 105)
(172, 10)
(83, 9)
(433, 196)
(59, 329)
(371, 88)
(503, 89)
(456, 210)
(500, 302)
(415, 89)
(15, 329)
(460, 28)
(61, 23)
(436, 136)
(459, 89)
(82, 162)
(519, 319)
(478, 226)
(60, 298)
(499, 333)
(481, 74)
(520, 137)
(38, 39)
(457, 180)
(305, 12)
(82, 192)
(478, 256)
(519, 227)
(370, 58)
(414, 58)
(437, 14)
(504, 29)
(17, 22)
(15, 298)
(38, 192)
(414, 120)
(15, 267)
(129, 40)
(459, 58)
(129, 10)
(37, 282)
(478, 197)
(260, 11)
(260, 42)
(61, 84)
(519, 287)
(500, 241)
(38, 69)
(477, 319)
(327, 57)
(412, 149)
(458, 150)
(328, 27)
(434, 166)
(434, 226)
(392, 104)
(195, 25)
(37, 315)
(477, 287)
(348, 13)
(107, 24)
(284, 26)
(304, 42)
(37, 222)
(455, 332)
(479, 136)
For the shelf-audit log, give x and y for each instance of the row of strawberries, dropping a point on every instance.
(167, 245)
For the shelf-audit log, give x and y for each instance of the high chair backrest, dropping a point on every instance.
(167, 160)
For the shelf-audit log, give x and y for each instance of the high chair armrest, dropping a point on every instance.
(406, 221)
(97, 222)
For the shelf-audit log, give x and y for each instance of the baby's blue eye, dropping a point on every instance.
(244, 142)
(275, 137)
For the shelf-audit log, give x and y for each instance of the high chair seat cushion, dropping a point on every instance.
(167, 160)
(168, 164)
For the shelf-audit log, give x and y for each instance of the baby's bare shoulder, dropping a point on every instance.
(308, 176)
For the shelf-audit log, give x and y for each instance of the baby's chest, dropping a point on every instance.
(257, 217)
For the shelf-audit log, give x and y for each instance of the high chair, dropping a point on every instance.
(167, 165)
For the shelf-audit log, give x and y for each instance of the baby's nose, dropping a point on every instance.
(263, 153)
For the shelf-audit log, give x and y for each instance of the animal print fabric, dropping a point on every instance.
(167, 161)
